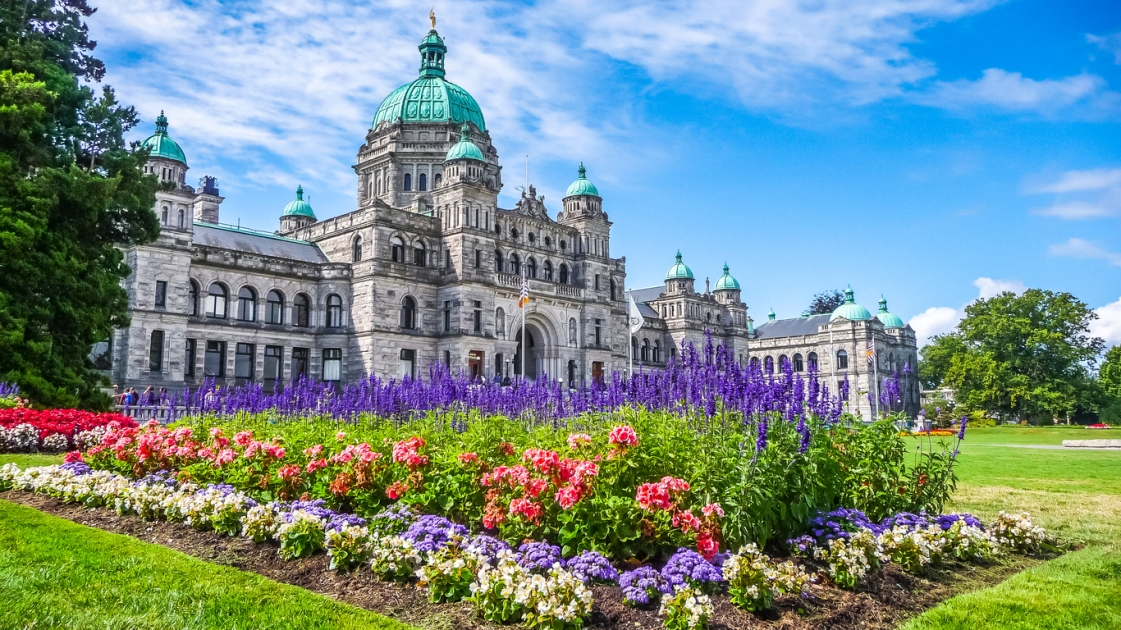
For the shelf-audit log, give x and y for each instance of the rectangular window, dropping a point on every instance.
(599, 338)
(478, 258)
(192, 351)
(448, 358)
(244, 360)
(274, 366)
(447, 316)
(407, 367)
(478, 316)
(215, 362)
(447, 259)
(332, 364)
(155, 352)
(299, 363)
(597, 282)
(161, 294)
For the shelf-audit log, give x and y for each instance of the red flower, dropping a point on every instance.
(544, 461)
(288, 472)
(396, 490)
(72, 456)
(707, 545)
(623, 435)
(527, 509)
(468, 458)
(506, 448)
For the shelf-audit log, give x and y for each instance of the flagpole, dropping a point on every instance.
(525, 333)
(875, 379)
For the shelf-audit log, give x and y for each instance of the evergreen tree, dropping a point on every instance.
(1109, 376)
(825, 303)
(70, 193)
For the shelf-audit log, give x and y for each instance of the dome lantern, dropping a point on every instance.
(726, 282)
(889, 320)
(679, 270)
(581, 186)
(298, 207)
(850, 310)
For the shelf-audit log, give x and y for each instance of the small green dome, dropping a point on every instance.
(161, 145)
(771, 316)
(583, 187)
(850, 310)
(430, 98)
(889, 320)
(679, 270)
(464, 149)
(299, 207)
(726, 282)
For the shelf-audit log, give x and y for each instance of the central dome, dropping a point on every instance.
(430, 98)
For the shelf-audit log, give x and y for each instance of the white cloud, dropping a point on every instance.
(1080, 194)
(988, 288)
(1108, 324)
(1013, 91)
(938, 320)
(1079, 248)
(1109, 43)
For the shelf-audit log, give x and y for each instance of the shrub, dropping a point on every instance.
(686, 609)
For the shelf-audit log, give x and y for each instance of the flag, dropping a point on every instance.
(524, 298)
(871, 353)
(635, 318)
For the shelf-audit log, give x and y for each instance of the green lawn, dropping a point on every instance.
(25, 460)
(57, 574)
(1074, 493)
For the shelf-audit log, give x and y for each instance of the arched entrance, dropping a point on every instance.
(534, 344)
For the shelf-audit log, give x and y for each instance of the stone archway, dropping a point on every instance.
(541, 346)
(534, 345)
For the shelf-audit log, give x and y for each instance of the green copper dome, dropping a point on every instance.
(464, 149)
(889, 320)
(679, 269)
(583, 187)
(430, 98)
(850, 310)
(299, 207)
(771, 316)
(161, 145)
(726, 282)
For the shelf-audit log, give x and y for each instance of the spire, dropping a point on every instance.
(678, 254)
(161, 124)
(432, 51)
(850, 297)
(582, 171)
(883, 304)
(300, 192)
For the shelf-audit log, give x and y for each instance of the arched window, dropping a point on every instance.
(547, 270)
(436, 179)
(301, 311)
(274, 307)
(572, 331)
(769, 365)
(419, 254)
(408, 181)
(356, 253)
(182, 219)
(842, 360)
(612, 287)
(563, 244)
(498, 261)
(798, 366)
(334, 311)
(514, 233)
(634, 347)
(497, 228)
(216, 297)
(531, 267)
(891, 362)
(422, 182)
(246, 304)
(563, 273)
(811, 360)
(397, 249)
(515, 264)
(783, 361)
(754, 363)
(708, 317)
(500, 323)
(718, 318)
(408, 313)
(164, 221)
(532, 237)
(193, 298)
(657, 357)
(645, 350)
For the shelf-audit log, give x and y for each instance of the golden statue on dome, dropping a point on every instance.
(432, 17)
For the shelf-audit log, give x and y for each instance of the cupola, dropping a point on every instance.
(160, 145)
(889, 320)
(850, 310)
(679, 278)
(582, 196)
(297, 213)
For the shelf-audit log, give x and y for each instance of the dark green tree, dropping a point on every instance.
(71, 192)
(1109, 376)
(824, 303)
(1024, 356)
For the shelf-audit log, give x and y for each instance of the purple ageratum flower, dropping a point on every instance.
(430, 532)
(840, 523)
(961, 432)
(391, 521)
(906, 519)
(689, 568)
(487, 547)
(76, 468)
(539, 556)
(590, 566)
(339, 521)
(802, 545)
(945, 521)
(642, 584)
(158, 478)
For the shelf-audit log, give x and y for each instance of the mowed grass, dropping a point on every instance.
(58, 574)
(1076, 494)
(26, 459)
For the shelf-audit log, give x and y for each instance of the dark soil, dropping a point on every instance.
(887, 599)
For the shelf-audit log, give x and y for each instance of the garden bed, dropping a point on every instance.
(882, 601)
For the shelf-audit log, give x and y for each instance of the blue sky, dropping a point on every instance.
(933, 151)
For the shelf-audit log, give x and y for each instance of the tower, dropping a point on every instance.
(297, 213)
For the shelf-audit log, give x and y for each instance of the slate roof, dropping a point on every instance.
(790, 327)
(642, 296)
(262, 243)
